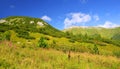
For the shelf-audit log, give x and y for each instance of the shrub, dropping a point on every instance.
(116, 53)
(72, 40)
(42, 43)
(6, 35)
(96, 51)
(24, 34)
(0, 36)
(116, 37)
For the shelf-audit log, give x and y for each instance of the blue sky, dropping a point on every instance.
(66, 13)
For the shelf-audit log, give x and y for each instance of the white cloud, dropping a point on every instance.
(46, 18)
(76, 18)
(96, 17)
(109, 24)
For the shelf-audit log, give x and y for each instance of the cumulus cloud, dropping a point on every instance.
(46, 18)
(109, 24)
(74, 19)
(96, 17)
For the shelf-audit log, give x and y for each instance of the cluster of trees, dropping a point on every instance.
(95, 38)
(84, 38)
(24, 34)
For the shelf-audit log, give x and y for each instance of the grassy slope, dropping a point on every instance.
(30, 57)
(22, 24)
(105, 33)
(24, 53)
(64, 44)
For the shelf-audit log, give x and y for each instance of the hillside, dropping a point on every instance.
(104, 32)
(23, 25)
(93, 34)
(31, 43)
(34, 31)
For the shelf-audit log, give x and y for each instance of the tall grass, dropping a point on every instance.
(32, 57)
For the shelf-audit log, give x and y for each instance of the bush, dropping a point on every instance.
(42, 43)
(24, 34)
(1, 36)
(96, 51)
(72, 40)
(116, 37)
(116, 53)
(6, 36)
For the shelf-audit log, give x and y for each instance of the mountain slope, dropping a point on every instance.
(104, 32)
(95, 35)
(27, 41)
(23, 24)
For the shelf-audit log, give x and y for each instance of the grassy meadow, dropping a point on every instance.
(30, 57)
(19, 53)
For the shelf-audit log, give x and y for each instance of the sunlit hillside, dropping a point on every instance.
(32, 43)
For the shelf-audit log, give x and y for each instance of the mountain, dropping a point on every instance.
(24, 30)
(28, 41)
(103, 32)
(23, 25)
(96, 35)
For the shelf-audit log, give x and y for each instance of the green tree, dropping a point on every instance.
(96, 51)
(42, 43)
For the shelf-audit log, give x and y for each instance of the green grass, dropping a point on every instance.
(63, 44)
(105, 33)
(19, 51)
(32, 57)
